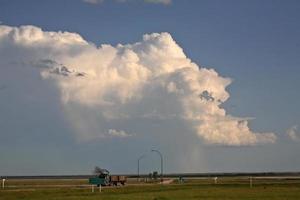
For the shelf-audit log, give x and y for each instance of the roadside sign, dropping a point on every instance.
(96, 181)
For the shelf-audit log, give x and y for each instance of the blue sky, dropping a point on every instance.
(256, 43)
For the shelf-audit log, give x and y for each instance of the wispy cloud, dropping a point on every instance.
(164, 2)
(93, 1)
(293, 133)
(118, 133)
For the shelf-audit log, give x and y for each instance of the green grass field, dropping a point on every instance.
(193, 189)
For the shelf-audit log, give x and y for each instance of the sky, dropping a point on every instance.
(213, 85)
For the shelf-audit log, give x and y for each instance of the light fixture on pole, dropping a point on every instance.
(161, 163)
(138, 172)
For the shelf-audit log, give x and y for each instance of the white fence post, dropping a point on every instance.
(216, 180)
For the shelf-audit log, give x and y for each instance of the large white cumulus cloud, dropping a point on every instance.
(152, 78)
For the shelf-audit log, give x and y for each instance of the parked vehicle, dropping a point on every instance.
(103, 178)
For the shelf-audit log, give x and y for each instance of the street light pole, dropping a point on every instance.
(138, 176)
(161, 163)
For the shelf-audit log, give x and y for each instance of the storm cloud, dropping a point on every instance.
(107, 86)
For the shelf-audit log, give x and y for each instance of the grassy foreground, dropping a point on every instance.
(280, 190)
